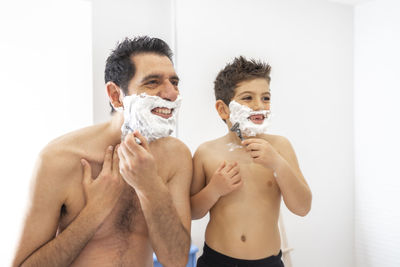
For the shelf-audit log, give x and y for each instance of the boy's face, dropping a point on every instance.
(254, 94)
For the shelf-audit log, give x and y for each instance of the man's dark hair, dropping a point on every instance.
(236, 72)
(120, 68)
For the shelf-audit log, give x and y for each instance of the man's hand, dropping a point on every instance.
(103, 192)
(137, 165)
(226, 179)
(262, 152)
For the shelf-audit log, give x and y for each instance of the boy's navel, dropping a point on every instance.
(243, 238)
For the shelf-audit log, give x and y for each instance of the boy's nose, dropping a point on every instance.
(257, 105)
(168, 91)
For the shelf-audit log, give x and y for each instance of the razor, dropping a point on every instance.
(128, 130)
(235, 128)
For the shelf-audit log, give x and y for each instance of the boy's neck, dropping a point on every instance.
(234, 138)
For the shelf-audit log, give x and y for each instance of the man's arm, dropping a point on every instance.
(225, 180)
(294, 188)
(39, 245)
(166, 208)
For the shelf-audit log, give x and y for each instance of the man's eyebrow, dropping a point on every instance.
(157, 76)
(151, 76)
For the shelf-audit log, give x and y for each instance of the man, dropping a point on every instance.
(98, 203)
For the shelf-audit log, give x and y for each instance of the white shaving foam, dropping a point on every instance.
(241, 113)
(138, 116)
(233, 146)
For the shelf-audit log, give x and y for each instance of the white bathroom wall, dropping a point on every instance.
(310, 47)
(115, 20)
(376, 133)
(45, 74)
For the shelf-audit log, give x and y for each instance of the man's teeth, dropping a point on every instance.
(165, 111)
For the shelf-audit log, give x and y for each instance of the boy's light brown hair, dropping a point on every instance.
(239, 70)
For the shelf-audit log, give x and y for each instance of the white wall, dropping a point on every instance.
(377, 131)
(115, 20)
(45, 74)
(310, 47)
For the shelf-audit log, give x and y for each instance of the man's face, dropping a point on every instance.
(155, 75)
(254, 94)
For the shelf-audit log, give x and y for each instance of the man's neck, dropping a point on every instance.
(113, 130)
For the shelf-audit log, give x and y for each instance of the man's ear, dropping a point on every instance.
(222, 109)
(115, 94)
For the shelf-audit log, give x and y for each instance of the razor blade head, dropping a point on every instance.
(129, 130)
(235, 128)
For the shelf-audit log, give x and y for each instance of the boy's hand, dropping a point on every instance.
(226, 178)
(262, 152)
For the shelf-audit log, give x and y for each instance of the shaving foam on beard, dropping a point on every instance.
(241, 113)
(138, 116)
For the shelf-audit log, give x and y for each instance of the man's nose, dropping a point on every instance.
(168, 91)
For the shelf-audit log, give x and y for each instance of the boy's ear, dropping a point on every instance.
(222, 109)
(115, 94)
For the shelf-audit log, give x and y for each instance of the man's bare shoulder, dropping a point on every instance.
(60, 158)
(170, 146)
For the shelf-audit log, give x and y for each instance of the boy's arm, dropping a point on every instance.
(225, 179)
(294, 188)
(39, 245)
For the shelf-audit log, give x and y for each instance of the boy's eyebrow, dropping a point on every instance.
(251, 92)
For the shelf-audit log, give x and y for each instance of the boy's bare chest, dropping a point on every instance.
(257, 179)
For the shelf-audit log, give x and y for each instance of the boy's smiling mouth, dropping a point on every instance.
(257, 118)
(165, 113)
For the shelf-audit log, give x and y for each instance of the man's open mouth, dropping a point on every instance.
(162, 112)
(257, 119)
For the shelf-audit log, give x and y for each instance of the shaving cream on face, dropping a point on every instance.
(241, 114)
(138, 116)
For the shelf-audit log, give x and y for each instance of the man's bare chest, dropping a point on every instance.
(125, 218)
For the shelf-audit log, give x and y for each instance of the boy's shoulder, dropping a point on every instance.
(208, 147)
(274, 139)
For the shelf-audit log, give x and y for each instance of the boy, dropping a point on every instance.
(241, 181)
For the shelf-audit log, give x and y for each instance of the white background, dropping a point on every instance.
(45, 74)
(334, 90)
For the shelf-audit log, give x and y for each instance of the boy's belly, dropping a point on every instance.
(244, 224)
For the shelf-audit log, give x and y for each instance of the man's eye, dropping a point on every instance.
(152, 82)
(175, 83)
(266, 98)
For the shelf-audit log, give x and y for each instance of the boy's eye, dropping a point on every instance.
(266, 98)
(175, 82)
(246, 98)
